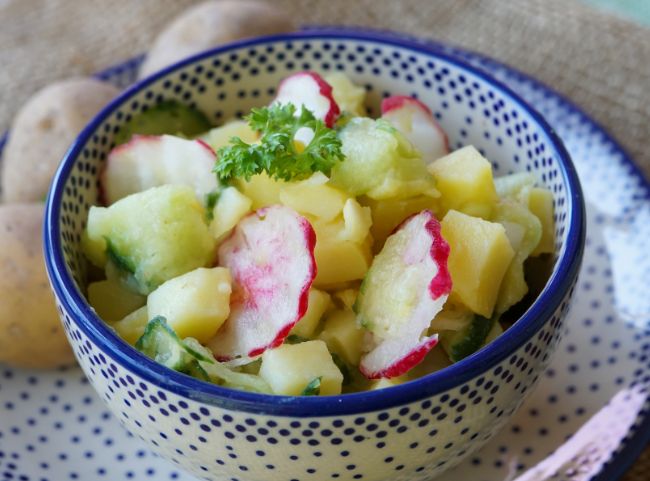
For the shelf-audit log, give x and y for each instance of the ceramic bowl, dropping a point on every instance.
(412, 431)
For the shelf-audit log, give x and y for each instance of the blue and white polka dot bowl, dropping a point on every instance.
(409, 432)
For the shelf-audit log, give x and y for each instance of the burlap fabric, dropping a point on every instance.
(596, 59)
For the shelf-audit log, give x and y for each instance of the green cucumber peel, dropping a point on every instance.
(122, 262)
(160, 343)
(467, 341)
(313, 387)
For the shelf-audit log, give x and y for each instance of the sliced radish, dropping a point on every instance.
(414, 119)
(406, 286)
(270, 255)
(403, 357)
(151, 160)
(309, 89)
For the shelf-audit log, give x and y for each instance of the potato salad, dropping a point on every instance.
(308, 249)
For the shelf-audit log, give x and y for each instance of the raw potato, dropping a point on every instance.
(210, 24)
(43, 130)
(31, 334)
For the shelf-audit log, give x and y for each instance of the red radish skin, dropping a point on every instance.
(396, 102)
(289, 92)
(271, 265)
(205, 144)
(395, 355)
(404, 364)
(441, 283)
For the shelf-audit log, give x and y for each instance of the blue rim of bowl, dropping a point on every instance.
(479, 363)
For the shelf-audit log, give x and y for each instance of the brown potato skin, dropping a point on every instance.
(213, 23)
(31, 334)
(42, 131)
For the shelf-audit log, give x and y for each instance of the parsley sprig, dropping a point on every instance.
(276, 153)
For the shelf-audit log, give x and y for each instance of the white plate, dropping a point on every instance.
(54, 428)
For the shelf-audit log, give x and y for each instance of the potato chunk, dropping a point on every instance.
(464, 179)
(220, 136)
(112, 301)
(229, 209)
(343, 335)
(31, 334)
(132, 326)
(288, 369)
(261, 189)
(195, 304)
(314, 197)
(348, 96)
(388, 214)
(319, 302)
(357, 221)
(340, 261)
(480, 254)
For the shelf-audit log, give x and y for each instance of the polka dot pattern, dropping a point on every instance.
(414, 441)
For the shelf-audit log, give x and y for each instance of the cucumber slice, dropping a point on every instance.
(160, 343)
(460, 344)
(220, 374)
(188, 356)
(169, 117)
(197, 350)
(194, 369)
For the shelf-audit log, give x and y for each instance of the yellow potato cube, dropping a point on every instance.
(289, 368)
(220, 136)
(346, 297)
(540, 203)
(388, 214)
(112, 301)
(261, 189)
(480, 254)
(464, 179)
(314, 197)
(340, 261)
(94, 249)
(343, 335)
(328, 230)
(319, 302)
(357, 221)
(229, 209)
(195, 304)
(348, 96)
(132, 326)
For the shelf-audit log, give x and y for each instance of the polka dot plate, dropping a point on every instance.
(586, 420)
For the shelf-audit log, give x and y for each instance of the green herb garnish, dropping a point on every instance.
(276, 153)
(313, 388)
